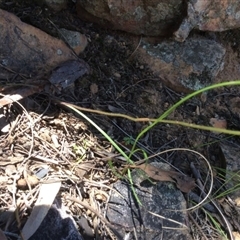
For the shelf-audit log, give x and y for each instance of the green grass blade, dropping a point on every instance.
(171, 109)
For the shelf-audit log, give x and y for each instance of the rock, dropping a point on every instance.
(23, 183)
(117, 75)
(231, 60)
(57, 225)
(67, 73)
(28, 50)
(231, 156)
(160, 17)
(159, 199)
(152, 18)
(207, 15)
(75, 40)
(186, 66)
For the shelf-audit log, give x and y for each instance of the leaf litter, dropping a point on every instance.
(85, 174)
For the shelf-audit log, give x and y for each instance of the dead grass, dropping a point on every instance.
(46, 143)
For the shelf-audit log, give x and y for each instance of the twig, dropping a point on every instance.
(197, 226)
(136, 119)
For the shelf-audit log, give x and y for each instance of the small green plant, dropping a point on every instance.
(217, 226)
(129, 141)
(80, 152)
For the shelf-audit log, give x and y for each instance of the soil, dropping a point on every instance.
(118, 83)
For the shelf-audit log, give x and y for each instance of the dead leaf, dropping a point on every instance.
(83, 168)
(155, 173)
(94, 88)
(44, 202)
(218, 123)
(183, 182)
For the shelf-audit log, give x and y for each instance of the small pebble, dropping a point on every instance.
(117, 75)
(22, 183)
(59, 52)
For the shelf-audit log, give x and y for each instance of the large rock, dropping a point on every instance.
(186, 66)
(207, 15)
(28, 50)
(161, 17)
(162, 206)
(148, 17)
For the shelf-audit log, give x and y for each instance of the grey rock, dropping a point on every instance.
(161, 17)
(231, 156)
(65, 74)
(152, 18)
(57, 225)
(75, 40)
(209, 15)
(161, 199)
(186, 66)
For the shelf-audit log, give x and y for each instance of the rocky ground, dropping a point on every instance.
(46, 142)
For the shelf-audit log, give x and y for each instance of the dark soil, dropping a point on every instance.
(118, 83)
